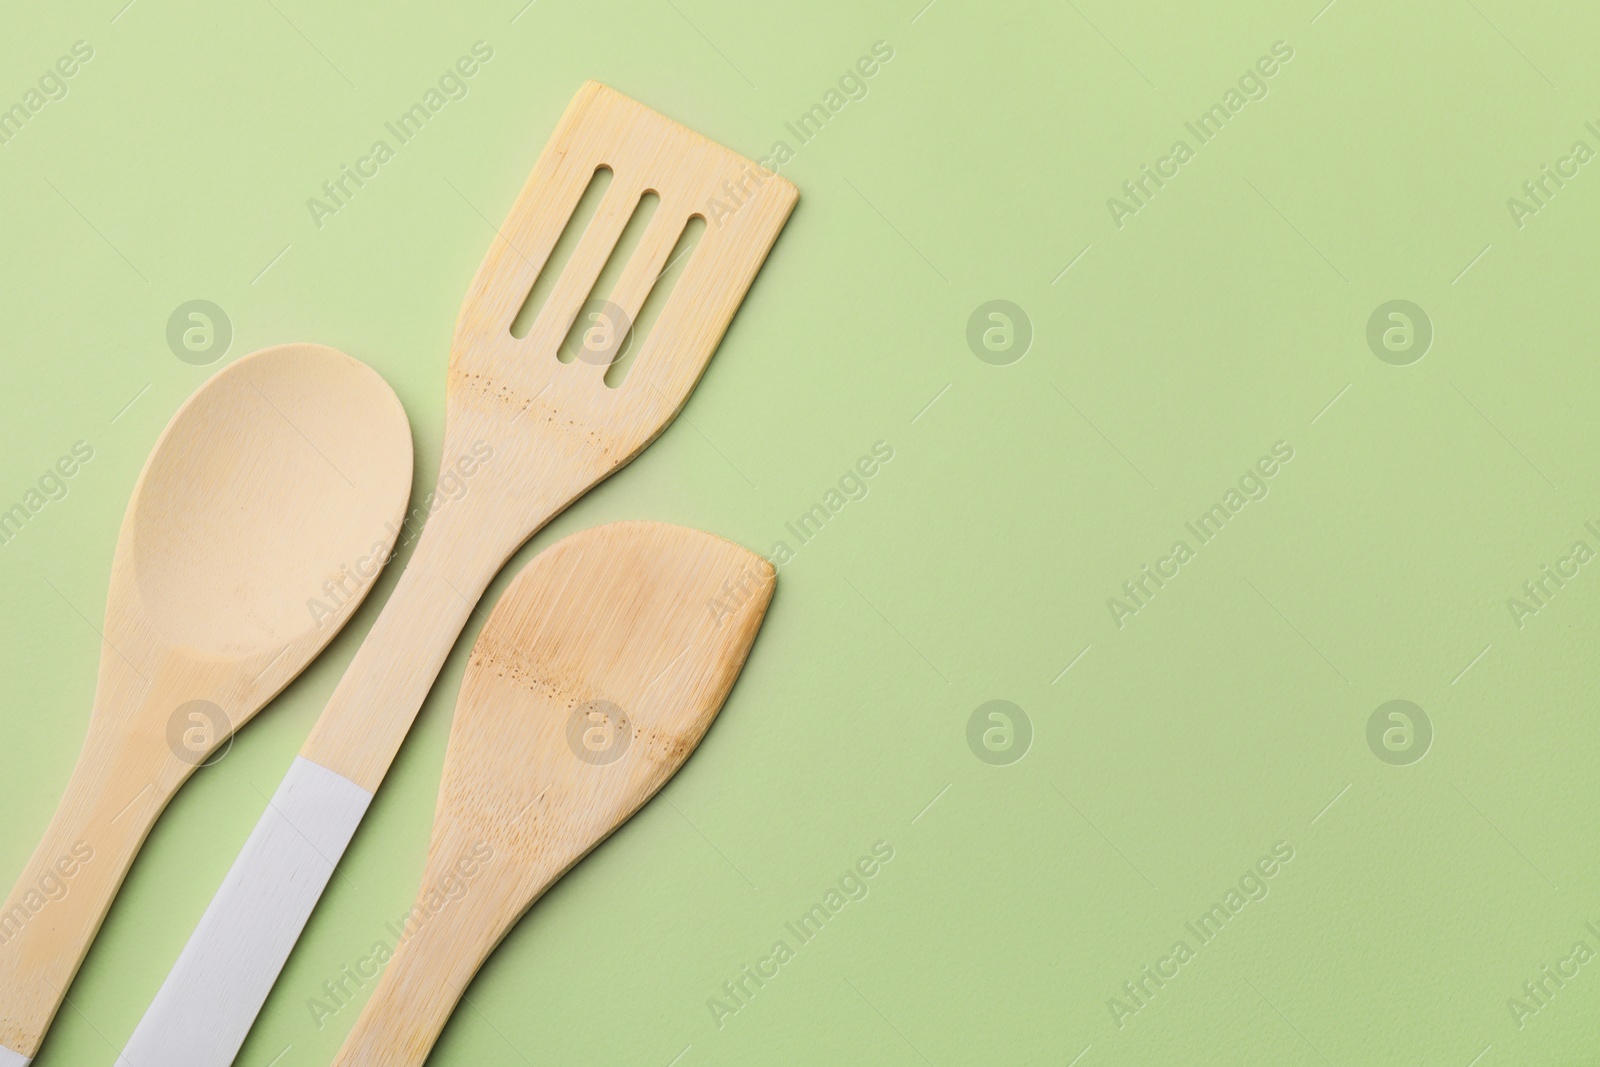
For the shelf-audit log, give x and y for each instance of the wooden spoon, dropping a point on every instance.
(279, 482)
(596, 675)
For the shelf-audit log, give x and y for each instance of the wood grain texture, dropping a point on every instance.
(286, 470)
(554, 429)
(595, 677)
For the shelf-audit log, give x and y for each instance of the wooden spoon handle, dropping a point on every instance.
(465, 906)
(119, 786)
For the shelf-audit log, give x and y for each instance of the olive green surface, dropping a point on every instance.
(1406, 883)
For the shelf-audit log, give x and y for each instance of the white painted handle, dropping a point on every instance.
(213, 993)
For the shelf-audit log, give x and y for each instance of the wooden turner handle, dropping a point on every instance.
(467, 903)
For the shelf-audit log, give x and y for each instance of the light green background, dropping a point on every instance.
(1225, 316)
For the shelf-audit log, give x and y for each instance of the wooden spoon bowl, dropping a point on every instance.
(282, 470)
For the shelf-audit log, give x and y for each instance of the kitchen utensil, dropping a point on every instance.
(280, 482)
(595, 677)
(525, 435)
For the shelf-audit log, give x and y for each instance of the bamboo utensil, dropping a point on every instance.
(595, 677)
(552, 430)
(288, 469)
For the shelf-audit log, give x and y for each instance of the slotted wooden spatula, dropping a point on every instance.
(594, 679)
(525, 435)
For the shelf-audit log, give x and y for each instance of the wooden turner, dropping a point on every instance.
(525, 435)
(595, 677)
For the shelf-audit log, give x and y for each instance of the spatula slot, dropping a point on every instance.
(600, 331)
(556, 264)
(660, 292)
